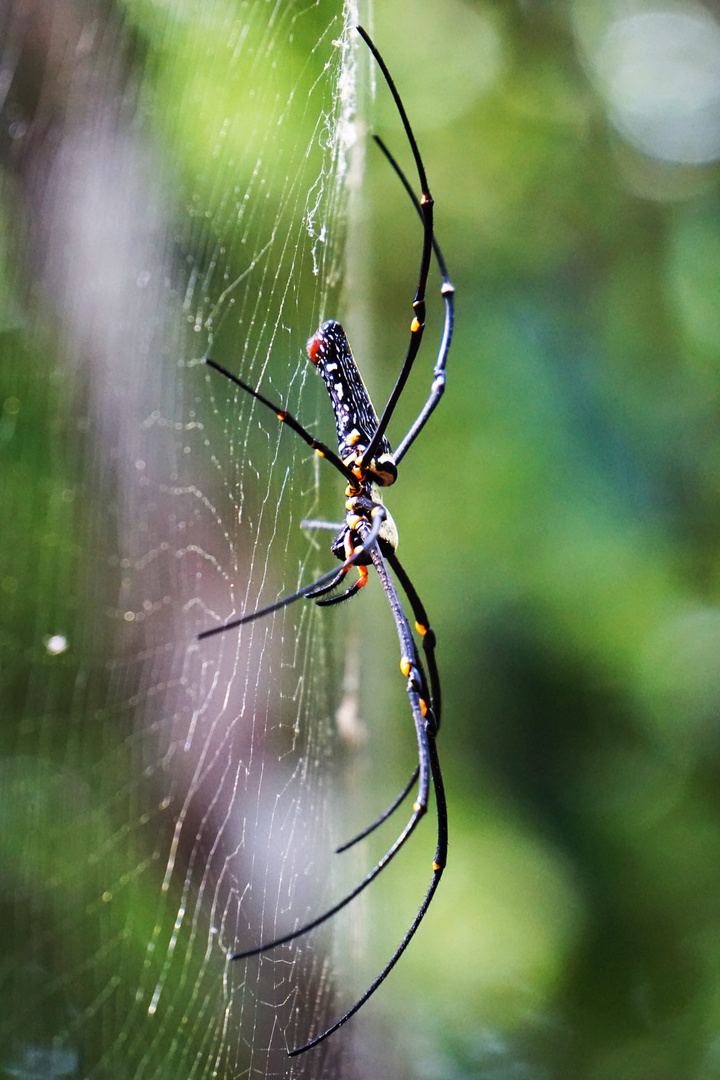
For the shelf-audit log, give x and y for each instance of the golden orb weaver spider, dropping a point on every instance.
(368, 536)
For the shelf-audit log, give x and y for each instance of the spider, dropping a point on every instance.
(368, 536)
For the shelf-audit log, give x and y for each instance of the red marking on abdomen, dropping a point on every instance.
(316, 348)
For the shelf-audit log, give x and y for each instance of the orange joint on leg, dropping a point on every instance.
(405, 666)
(362, 576)
(437, 866)
(423, 706)
(414, 326)
(417, 807)
(421, 629)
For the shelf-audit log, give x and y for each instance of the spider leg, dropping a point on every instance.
(428, 762)
(344, 539)
(384, 816)
(362, 580)
(438, 867)
(419, 809)
(354, 588)
(312, 593)
(447, 291)
(422, 625)
(378, 516)
(416, 682)
(287, 418)
(417, 326)
(426, 632)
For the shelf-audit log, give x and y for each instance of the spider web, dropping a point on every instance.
(169, 801)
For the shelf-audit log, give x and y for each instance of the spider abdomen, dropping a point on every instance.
(355, 418)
